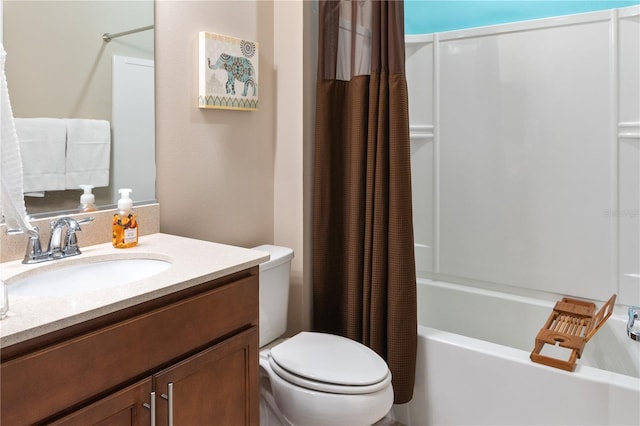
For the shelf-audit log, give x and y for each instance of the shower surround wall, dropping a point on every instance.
(526, 155)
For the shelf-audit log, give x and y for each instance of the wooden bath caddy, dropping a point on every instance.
(571, 324)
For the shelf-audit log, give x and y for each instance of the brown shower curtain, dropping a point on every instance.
(364, 281)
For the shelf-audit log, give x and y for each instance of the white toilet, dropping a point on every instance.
(313, 378)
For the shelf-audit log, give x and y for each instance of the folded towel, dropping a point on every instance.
(42, 146)
(11, 199)
(88, 152)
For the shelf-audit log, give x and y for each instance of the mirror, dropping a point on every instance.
(58, 66)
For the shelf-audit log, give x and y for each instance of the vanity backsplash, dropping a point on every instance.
(12, 247)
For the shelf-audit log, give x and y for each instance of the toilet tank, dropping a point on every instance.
(274, 292)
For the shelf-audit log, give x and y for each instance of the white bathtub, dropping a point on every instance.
(474, 369)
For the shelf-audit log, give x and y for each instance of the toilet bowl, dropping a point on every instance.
(322, 379)
(313, 378)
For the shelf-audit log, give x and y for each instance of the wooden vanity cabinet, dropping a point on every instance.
(196, 351)
(211, 387)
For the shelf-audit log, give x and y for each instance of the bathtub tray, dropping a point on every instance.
(571, 324)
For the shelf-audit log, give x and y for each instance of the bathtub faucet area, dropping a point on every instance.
(634, 313)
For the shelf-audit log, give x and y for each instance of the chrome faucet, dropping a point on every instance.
(634, 314)
(58, 247)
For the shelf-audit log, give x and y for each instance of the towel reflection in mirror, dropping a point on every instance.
(59, 154)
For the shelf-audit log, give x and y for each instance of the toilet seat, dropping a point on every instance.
(329, 363)
(328, 387)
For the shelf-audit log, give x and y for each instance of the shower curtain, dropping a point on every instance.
(364, 281)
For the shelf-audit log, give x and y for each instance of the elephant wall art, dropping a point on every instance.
(228, 72)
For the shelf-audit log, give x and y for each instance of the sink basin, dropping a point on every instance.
(80, 278)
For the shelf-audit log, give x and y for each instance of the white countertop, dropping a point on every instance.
(193, 262)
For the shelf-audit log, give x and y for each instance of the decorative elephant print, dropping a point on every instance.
(237, 68)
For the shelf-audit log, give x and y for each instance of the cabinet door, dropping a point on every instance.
(218, 386)
(123, 408)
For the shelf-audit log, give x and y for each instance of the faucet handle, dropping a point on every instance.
(85, 220)
(34, 253)
(73, 224)
(71, 240)
(20, 231)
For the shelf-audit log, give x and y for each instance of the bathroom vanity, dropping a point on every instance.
(179, 347)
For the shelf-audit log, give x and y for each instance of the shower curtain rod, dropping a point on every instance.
(107, 37)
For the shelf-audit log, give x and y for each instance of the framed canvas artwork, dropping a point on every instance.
(228, 72)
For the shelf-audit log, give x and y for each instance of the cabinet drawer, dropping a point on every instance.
(76, 370)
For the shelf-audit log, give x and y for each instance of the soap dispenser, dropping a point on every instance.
(87, 199)
(125, 224)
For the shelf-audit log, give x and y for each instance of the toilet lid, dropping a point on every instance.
(330, 359)
(328, 387)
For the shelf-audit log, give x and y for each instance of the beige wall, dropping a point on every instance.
(215, 167)
(231, 176)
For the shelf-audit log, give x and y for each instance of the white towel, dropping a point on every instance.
(11, 199)
(42, 146)
(88, 152)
